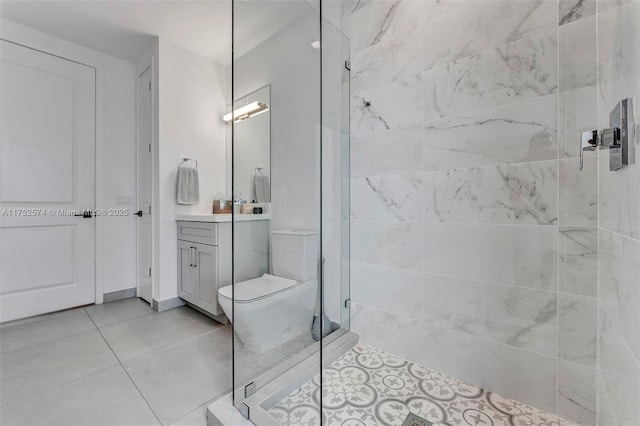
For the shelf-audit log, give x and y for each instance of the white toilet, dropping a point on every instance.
(273, 309)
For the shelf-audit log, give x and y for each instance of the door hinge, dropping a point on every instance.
(347, 303)
(250, 389)
(244, 410)
(347, 64)
(149, 271)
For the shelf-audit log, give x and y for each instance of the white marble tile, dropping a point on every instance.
(391, 290)
(578, 112)
(577, 392)
(479, 25)
(578, 191)
(104, 398)
(620, 373)
(578, 261)
(619, 275)
(32, 331)
(368, 22)
(577, 50)
(509, 194)
(525, 256)
(492, 366)
(391, 197)
(515, 316)
(521, 70)
(432, 8)
(388, 332)
(513, 133)
(605, 412)
(572, 10)
(387, 153)
(387, 243)
(577, 329)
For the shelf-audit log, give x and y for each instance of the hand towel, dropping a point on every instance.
(262, 187)
(188, 184)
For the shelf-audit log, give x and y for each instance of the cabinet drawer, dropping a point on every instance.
(199, 232)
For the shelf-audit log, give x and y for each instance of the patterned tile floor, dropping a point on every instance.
(371, 387)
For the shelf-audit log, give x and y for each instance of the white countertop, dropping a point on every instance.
(221, 217)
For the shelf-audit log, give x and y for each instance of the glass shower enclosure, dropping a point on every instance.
(288, 147)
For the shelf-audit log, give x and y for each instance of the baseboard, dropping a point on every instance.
(127, 293)
(165, 305)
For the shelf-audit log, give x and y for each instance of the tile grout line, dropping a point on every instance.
(125, 370)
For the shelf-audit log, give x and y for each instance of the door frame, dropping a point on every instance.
(147, 63)
(51, 45)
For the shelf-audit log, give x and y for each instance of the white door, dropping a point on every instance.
(144, 185)
(47, 156)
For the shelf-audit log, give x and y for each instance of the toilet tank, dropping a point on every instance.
(295, 254)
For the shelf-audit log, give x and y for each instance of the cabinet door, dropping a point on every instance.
(187, 287)
(206, 270)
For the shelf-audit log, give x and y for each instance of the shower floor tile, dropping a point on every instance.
(367, 386)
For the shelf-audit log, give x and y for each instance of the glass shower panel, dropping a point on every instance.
(275, 158)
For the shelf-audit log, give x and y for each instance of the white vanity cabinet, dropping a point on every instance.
(204, 263)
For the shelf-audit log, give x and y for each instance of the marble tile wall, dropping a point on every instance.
(474, 236)
(618, 307)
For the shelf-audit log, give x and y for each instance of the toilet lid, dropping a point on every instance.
(257, 288)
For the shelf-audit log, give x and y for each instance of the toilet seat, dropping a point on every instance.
(257, 288)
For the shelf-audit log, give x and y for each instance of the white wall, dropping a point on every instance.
(191, 105)
(116, 139)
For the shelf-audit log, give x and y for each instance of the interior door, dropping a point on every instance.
(144, 185)
(47, 158)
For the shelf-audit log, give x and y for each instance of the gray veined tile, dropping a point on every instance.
(178, 379)
(387, 331)
(121, 310)
(578, 261)
(517, 71)
(367, 23)
(106, 398)
(492, 366)
(619, 275)
(578, 196)
(395, 244)
(509, 194)
(150, 332)
(513, 133)
(578, 329)
(32, 370)
(392, 290)
(620, 373)
(605, 412)
(572, 10)
(578, 112)
(578, 56)
(516, 316)
(33, 331)
(480, 25)
(392, 197)
(577, 393)
(387, 153)
(524, 256)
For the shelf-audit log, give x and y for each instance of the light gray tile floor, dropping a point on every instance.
(120, 363)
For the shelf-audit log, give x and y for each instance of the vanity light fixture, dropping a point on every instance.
(247, 111)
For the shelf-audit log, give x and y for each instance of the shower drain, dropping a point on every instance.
(413, 420)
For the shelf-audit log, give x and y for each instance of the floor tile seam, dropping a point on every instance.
(128, 375)
(124, 360)
(40, 393)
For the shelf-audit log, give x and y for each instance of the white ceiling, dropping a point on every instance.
(125, 29)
